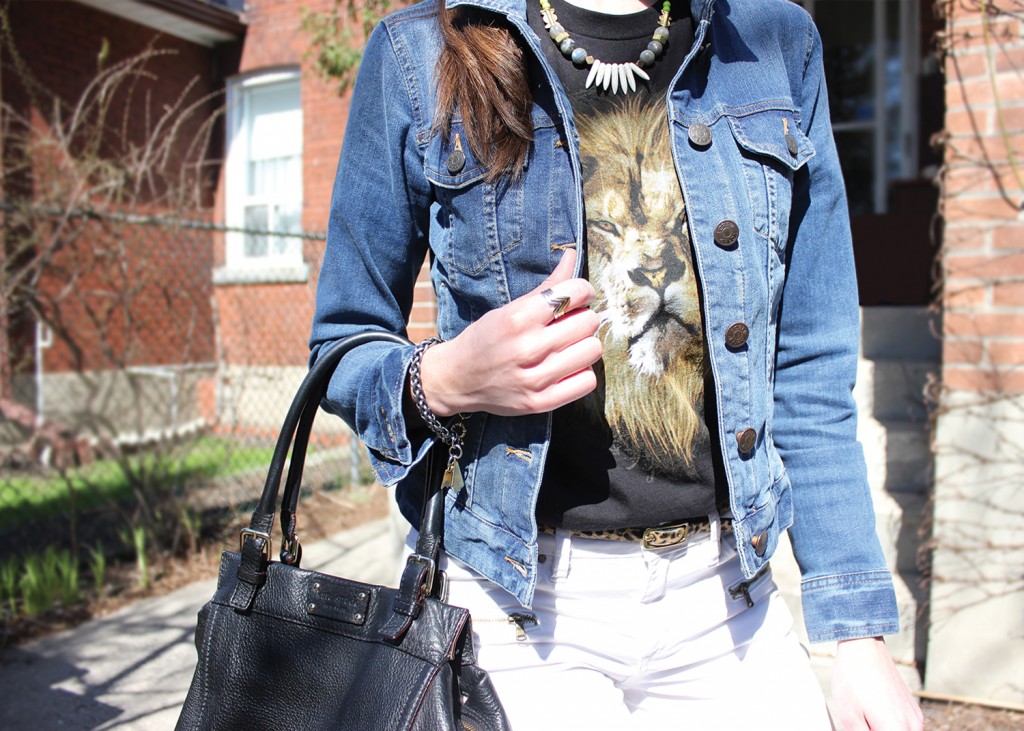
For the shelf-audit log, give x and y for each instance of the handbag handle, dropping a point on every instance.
(419, 578)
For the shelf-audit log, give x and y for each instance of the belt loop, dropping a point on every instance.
(563, 554)
(716, 536)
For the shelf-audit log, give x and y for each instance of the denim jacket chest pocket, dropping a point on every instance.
(475, 221)
(773, 148)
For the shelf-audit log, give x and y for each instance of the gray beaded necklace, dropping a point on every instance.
(609, 76)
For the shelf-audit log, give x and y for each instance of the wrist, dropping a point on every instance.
(432, 381)
(861, 646)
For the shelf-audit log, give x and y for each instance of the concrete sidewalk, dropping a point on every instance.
(131, 670)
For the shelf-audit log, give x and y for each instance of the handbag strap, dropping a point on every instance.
(420, 578)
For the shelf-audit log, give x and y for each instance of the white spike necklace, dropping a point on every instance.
(608, 76)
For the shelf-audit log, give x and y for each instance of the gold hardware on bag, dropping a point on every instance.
(251, 533)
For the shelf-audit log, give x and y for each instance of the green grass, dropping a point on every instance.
(25, 497)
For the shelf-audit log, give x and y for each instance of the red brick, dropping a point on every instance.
(966, 66)
(982, 151)
(1006, 354)
(1008, 294)
(1009, 60)
(971, 121)
(980, 91)
(1012, 119)
(960, 351)
(960, 238)
(979, 209)
(957, 295)
(992, 268)
(973, 179)
(1009, 236)
(983, 380)
(967, 35)
(985, 325)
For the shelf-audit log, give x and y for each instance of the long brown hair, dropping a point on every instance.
(482, 73)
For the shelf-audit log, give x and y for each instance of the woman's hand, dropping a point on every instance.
(868, 692)
(520, 358)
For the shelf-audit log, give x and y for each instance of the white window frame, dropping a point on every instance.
(910, 63)
(239, 268)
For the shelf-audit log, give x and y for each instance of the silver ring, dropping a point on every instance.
(559, 305)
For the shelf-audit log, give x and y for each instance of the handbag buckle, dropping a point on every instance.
(428, 580)
(291, 552)
(252, 533)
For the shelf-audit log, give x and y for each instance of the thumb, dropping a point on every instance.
(563, 272)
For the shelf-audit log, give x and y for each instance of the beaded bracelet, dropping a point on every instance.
(453, 435)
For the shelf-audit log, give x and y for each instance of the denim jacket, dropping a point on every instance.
(786, 414)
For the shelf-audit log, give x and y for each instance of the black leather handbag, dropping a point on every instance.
(281, 647)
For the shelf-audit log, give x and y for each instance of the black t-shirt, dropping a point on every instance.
(638, 451)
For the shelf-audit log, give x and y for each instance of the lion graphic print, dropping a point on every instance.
(641, 264)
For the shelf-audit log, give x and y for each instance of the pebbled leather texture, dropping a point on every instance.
(281, 666)
(283, 647)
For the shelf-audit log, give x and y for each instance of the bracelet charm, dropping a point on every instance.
(451, 435)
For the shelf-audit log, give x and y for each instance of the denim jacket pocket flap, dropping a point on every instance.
(774, 133)
(450, 163)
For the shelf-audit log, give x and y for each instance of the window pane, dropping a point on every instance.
(255, 219)
(847, 35)
(268, 177)
(275, 120)
(893, 93)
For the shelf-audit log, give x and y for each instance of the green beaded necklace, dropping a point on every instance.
(609, 76)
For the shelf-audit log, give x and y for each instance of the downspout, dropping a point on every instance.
(43, 341)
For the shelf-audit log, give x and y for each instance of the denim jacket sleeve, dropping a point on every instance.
(847, 589)
(376, 243)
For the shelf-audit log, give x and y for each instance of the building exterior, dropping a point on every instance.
(927, 100)
(976, 612)
(109, 116)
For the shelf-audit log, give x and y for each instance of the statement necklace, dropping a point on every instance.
(608, 76)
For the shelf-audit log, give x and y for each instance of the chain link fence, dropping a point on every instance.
(144, 384)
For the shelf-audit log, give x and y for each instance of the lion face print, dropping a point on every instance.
(641, 265)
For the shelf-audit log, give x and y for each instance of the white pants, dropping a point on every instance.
(622, 637)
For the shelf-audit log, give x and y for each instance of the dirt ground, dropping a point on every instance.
(940, 716)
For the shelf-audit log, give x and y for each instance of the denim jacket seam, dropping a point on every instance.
(854, 632)
(401, 52)
(865, 578)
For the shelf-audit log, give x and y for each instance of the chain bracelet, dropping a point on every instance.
(449, 436)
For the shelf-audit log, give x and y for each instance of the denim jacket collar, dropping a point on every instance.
(700, 10)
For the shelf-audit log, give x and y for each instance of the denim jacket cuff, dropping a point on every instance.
(393, 450)
(850, 606)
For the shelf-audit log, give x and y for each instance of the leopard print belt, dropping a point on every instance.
(661, 536)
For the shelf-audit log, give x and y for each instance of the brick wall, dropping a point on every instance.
(983, 258)
(976, 608)
(86, 293)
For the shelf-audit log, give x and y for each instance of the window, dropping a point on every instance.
(872, 61)
(264, 180)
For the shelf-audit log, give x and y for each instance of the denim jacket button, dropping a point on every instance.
(699, 134)
(792, 145)
(745, 440)
(736, 335)
(760, 543)
(727, 233)
(456, 161)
